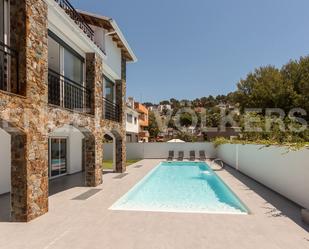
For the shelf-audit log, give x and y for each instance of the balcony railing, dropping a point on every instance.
(8, 69)
(111, 111)
(66, 93)
(78, 19)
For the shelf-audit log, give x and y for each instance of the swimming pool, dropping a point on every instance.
(190, 187)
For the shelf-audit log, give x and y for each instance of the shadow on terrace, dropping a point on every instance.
(282, 207)
(56, 186)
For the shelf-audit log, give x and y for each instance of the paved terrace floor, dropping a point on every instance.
(75, 223)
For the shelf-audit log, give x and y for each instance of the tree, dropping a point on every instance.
(187, 137)
(297, 74)
(147, 104)
(185, 119)
(213, 117)
(266, 88)
(153, 127)
(164, 102)
(174, 103)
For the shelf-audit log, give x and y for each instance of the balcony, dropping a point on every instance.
(8, 69)
(68, 94)
(111, 111)
(76, 17)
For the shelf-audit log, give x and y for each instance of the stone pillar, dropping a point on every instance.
(30, 179)
(121, 137)
(120, 154)
(17, 31)
(121, 100)
(93, 171)
(18, 169)
(123, 67)
(94, 81)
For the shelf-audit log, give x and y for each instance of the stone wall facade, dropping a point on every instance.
(30, 119)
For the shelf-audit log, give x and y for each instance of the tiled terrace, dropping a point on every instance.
(274, 222)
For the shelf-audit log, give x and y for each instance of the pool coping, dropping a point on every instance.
(141, 181)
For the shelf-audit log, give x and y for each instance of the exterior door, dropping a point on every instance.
(57, 157)
(2, 47)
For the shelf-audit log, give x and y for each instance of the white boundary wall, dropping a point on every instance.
(286, 172)
(160, 150)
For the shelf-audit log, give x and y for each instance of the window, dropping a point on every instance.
(66, 86)
(2, 83)
(135, 120)
(109, 90)
(53, 55)
(73, 67)
(2, 20)
(129, 118)
(129, 138)
(5, 54)
(64, 60)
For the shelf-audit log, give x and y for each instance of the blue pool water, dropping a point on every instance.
(181, 187)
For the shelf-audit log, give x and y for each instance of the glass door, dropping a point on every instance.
(54, 78)
(2, 16)
(57, 157)
(109, 90)
(2, 48)
(73, 87)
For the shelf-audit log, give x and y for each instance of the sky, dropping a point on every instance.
(190, 49)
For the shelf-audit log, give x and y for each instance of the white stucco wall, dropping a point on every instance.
(286, 172)
(113, 59)
(230, 154)
(160, 150)
(75, 138)
(5, 162)
(65, 27)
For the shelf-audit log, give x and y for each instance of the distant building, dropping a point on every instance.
(199, 109)
(143, 122)
(153, 108)
(139, 111)
(132, 125)
(164, 107)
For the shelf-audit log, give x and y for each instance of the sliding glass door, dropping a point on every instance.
(2, 48)
(2, 16)
(109, 89)
(57, 157)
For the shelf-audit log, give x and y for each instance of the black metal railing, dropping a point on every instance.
(8, 69)
(66, 93)
(111, 111)
(78, 19)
